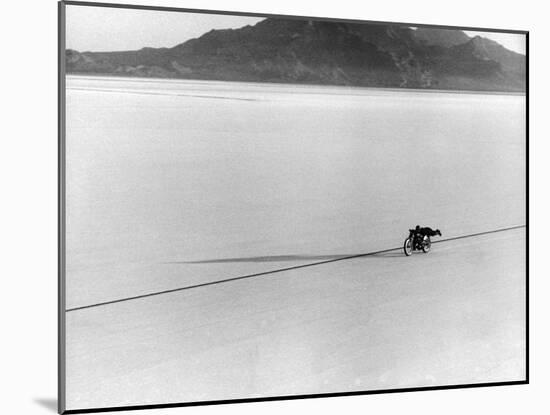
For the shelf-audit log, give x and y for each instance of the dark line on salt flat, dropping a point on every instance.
(161, 94)
(265, 258)
(189, 287)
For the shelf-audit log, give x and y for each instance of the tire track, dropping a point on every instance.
(276, 271)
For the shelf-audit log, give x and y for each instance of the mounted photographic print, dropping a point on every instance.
(259, 207)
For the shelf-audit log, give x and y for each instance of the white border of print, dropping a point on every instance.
(28, 174)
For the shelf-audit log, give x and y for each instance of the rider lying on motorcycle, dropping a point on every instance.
(421, 232)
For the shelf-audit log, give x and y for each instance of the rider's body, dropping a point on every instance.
(421, 232)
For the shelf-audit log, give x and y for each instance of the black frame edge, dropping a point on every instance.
(291, 397)
(527, 207)
(61, 403)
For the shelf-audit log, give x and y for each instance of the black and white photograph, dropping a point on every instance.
(262, 206)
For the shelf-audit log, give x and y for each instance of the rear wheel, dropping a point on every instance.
(426, 244)
(408, 246)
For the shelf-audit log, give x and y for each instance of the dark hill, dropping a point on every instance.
(305, 51)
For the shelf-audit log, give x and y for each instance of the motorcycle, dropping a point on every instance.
(416, 242)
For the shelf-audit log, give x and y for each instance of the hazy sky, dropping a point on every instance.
(508, 40)
(109, 29)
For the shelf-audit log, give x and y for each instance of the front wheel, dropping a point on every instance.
(408, 246)
(426, 244)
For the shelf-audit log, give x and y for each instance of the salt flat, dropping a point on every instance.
(172, 184)
(455, 315)
(176, 183)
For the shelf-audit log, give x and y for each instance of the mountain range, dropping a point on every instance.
(326, 53)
